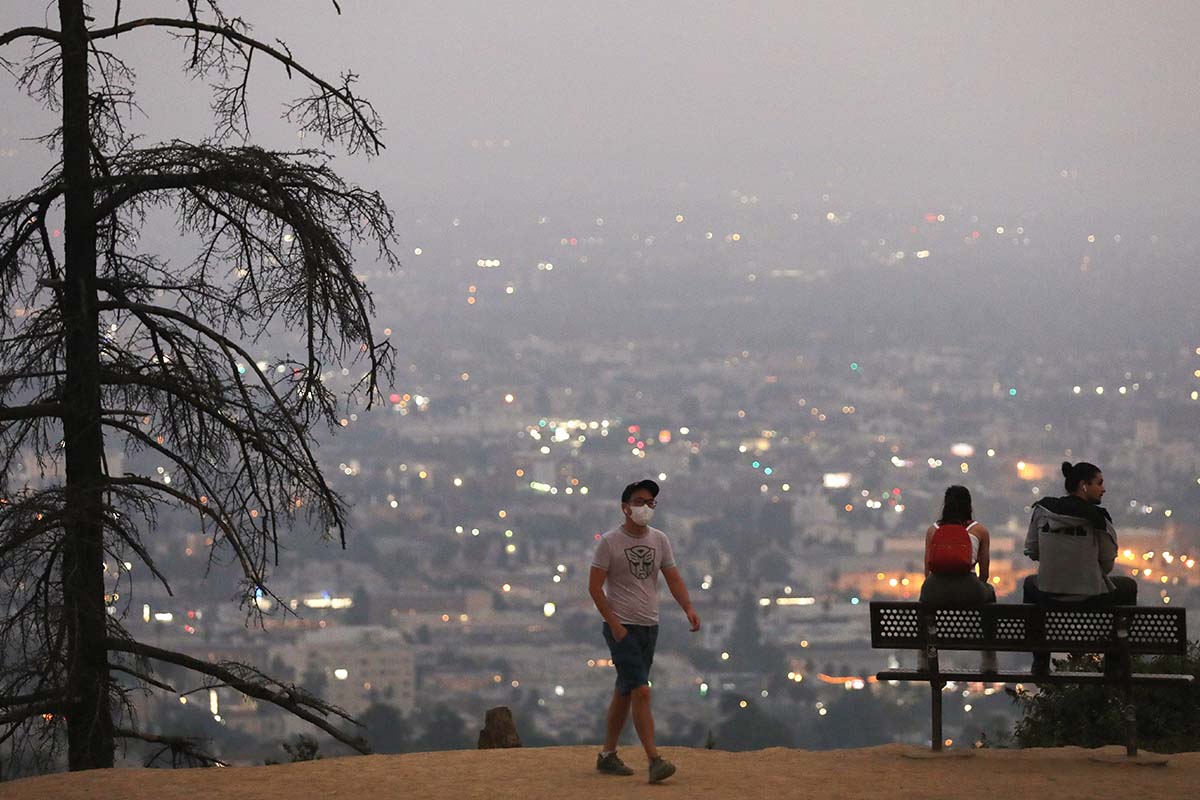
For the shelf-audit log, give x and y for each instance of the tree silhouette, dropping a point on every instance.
(441, 728)
(746, 643)
(751, 728)
(387, 728)
(119, 351)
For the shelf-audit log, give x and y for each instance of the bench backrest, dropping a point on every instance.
(1149, 631)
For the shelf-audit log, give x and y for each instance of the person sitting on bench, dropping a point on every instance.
(1073, 540)
(954, 547)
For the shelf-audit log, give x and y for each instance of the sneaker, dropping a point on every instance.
(612, 764)
(660, 769)
(987, 663)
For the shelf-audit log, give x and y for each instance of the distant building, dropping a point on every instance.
(359, 665)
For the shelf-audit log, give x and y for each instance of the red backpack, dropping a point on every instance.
(950, 549)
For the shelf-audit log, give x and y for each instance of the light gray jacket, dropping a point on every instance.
(1074, 544)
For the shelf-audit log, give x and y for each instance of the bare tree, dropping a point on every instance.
(115, 350)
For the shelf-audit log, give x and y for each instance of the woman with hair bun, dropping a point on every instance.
(1073, 540)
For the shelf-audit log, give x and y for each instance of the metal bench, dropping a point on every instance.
(1119, 632)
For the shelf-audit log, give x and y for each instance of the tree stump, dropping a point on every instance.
(499, 729)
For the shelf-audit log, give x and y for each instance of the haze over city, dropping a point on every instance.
(803, 264)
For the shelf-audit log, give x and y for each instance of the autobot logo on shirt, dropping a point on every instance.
(641, 561)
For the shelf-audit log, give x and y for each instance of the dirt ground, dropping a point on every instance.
(563, 773)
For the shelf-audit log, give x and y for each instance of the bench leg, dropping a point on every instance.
(1129, 712)
(935, 687)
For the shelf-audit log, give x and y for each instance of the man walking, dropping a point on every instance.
(623, 583)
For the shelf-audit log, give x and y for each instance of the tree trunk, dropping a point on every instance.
(89, 715)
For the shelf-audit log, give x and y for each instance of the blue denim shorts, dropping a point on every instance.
(633, 655)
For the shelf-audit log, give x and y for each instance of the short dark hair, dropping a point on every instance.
(1083, 472)
(647, 484)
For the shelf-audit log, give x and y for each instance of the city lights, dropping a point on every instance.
(787, 361)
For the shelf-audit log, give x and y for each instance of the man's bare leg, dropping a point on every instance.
(618, 712)
(643, 720)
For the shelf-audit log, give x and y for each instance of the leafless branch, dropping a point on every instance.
(166, 687)
(33, 411)
(19, 33)
(25, 712)
(184, 750)
(254, 684)
(358, 125)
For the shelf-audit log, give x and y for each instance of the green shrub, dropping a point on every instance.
(1168, 717)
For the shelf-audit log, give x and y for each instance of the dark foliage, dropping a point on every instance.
(304, 748)
(1168, 718)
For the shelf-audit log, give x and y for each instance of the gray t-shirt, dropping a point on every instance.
(633, 564)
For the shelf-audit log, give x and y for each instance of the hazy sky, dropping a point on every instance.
(915, 101)
(971, 99)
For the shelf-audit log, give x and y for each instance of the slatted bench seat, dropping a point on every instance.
(1119, 632)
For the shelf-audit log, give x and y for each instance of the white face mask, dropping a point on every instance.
(641, 515)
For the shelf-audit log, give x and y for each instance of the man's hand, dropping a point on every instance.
(693, 618)
(618, 631)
